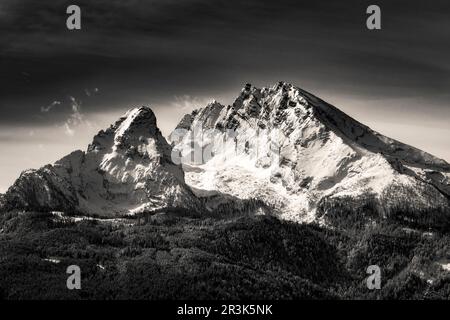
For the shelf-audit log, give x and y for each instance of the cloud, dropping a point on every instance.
(50, 106)
(68, 130)
(70, 113)
(89, 92)
(188, 103)
(75, 118)
(152, 51)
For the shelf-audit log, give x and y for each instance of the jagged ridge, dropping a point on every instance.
(322, 154)
(126, 169)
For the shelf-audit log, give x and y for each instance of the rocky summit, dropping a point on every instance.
(280, 146)
(126, 169)
(305, 158)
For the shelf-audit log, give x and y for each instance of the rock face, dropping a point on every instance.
(304, 157)
(279, 148)
(126, 169)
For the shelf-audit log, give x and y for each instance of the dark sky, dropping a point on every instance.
(58, 87)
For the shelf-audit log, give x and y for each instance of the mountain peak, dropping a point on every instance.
(277, 86)
(285, 106)
(137, 118)
(126, 169)
(213, 102)
(282, 85)
(134, 127)
(297, 150)
(290, 149)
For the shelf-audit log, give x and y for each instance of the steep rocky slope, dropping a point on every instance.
(304, 157)
(278, 147)
(126, 169)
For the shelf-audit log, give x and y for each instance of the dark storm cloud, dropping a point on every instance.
(150, 51)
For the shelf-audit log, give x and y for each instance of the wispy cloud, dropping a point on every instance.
(75, 118)
(187, 102)
(50, 106)
(90, 92)
(70, 111)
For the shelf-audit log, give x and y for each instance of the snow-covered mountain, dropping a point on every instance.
(304, 157)
(126, 169)
(280, 147)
